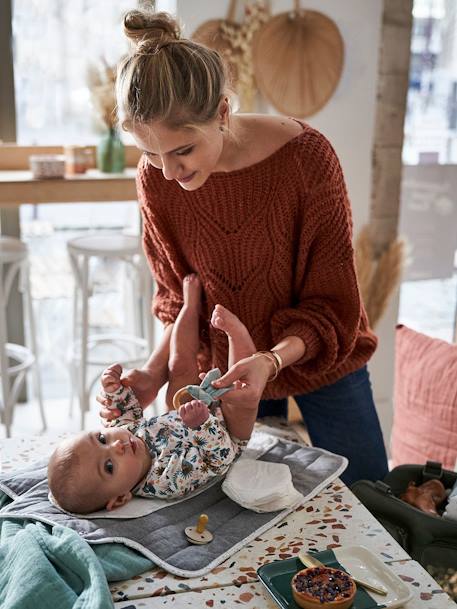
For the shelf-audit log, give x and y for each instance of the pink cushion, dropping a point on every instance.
(425, 399)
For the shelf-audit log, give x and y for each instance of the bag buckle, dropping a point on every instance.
(383, 487)
(432, 470)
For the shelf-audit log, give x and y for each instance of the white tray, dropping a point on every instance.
(361, 562)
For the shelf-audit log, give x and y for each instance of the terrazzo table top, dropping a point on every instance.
(333, 518)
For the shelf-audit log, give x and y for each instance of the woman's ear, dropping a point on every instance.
(118, 501)
(224, 109)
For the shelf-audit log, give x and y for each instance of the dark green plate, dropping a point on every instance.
(276, 577)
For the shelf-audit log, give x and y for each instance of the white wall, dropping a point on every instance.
(348, 121)
(348, 118)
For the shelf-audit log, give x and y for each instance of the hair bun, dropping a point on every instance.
(146, 28)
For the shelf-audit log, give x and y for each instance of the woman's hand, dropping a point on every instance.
(142, 381)
(250, 376)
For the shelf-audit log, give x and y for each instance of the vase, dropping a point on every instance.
(111, 153)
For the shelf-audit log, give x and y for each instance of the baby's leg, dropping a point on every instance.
(184, 340)
(239, 340)
(239, 416)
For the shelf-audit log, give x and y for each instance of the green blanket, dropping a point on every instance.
(51, 566)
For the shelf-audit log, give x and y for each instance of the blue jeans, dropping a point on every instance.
(342, 419)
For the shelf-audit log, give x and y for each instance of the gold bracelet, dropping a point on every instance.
(278, 359)
(272, 358)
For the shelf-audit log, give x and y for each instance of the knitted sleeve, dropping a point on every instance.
(327, 311)
(160, 250)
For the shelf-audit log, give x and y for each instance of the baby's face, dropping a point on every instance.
(113, 460)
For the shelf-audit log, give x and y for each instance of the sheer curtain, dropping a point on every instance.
(55, 41)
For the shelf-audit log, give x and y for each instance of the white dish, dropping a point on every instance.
(362, 563)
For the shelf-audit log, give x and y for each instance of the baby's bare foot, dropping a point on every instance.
(194, 414)
(191, 291)
(225, 320)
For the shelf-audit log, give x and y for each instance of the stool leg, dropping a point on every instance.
(5, 382)
(72, 364)
(148, 319)
(135, 292)
(132, 322)
(83, 394)
(33, 344)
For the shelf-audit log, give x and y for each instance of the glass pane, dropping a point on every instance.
(428, 219)
(55, 42)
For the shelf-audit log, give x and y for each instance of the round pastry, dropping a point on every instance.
(323, 588)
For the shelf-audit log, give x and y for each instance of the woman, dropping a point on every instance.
(256, 205)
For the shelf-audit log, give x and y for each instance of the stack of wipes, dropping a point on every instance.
(261, 486)
(451, 506)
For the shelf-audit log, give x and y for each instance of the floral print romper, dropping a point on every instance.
(183, 459)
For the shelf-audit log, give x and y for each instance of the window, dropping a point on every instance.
(428, 218)
(55, 42)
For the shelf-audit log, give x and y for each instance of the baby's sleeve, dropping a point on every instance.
(217, 448)
(124, 400)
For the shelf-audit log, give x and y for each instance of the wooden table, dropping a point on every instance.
(331, 519)
(17, 186)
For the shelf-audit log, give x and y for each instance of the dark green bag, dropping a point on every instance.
(429, 539)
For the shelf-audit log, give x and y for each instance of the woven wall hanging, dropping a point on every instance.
(298, 60)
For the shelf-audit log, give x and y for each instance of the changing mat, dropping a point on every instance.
(159, 535)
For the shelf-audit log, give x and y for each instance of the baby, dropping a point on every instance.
(164, 456)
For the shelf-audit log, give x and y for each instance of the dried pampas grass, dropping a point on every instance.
(378, 276)
(101, 79)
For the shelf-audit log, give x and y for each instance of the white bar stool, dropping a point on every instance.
(135, 348)
(16, 360)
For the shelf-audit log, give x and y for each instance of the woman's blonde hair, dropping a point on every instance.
(166, 77)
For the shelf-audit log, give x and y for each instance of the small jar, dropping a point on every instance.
(76, 158)
(45, 166)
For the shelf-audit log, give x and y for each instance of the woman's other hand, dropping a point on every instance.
(142, 382)
(250, 376)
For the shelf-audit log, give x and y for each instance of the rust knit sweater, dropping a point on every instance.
(272, 243)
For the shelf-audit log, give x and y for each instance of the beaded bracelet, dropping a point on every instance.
(274, 357)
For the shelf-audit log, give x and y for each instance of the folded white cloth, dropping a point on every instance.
(261, 486)
(138, 507)
(451, 508)
(453, 493)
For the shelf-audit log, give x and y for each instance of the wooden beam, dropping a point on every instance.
(392, 94)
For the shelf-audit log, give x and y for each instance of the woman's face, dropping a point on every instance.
(188, 155)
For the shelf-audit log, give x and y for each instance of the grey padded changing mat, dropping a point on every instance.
(160, 535)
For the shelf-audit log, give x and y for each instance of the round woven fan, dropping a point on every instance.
(298, 60)
(211, 34)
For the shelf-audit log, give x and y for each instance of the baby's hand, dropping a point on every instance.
(194, 414)
(111, 378)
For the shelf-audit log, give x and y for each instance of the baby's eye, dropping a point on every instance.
(101, 438)
(109, 467)
(185, 151)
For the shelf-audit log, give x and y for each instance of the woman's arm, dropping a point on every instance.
(254, 372)
(146, 381)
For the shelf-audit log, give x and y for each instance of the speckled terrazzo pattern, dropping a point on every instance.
(331, 519)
